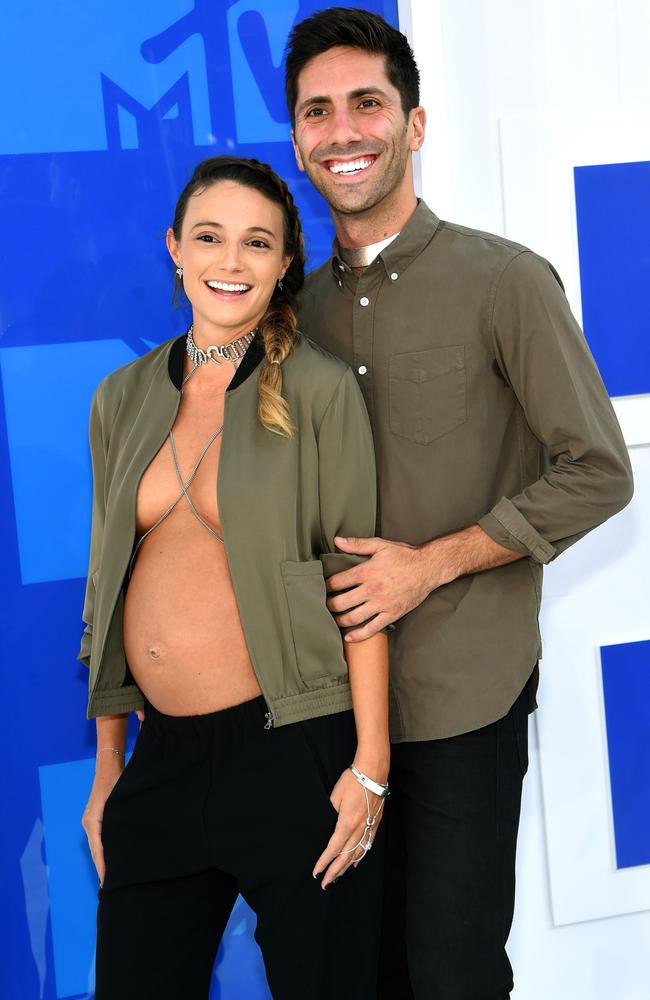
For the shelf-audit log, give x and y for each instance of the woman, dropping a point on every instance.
(232, 456)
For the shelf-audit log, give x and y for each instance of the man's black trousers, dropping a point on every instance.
(452, 823)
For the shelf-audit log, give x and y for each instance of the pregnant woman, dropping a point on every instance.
(225, 464)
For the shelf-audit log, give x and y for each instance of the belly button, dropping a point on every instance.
(154, 652)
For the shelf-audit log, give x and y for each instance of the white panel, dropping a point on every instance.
(633, 414)
(581, 613)
(421, 23)
(552, 62)
(538, 154)
(633, 38)
(599, 960)
(550, 55)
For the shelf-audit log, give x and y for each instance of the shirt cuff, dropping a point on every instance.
(507, 526)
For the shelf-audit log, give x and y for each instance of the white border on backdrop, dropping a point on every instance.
(596, 594)
(422, 25)
(541, 212)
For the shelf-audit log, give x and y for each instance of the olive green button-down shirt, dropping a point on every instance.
(486, 407)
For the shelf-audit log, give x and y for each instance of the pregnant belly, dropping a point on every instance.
(183, 638)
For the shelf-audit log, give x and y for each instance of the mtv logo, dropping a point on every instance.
(258, 31)
(77, 108)
(197, 73)
(130, 125)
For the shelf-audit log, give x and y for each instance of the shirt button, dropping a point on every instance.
(341, 268)
(362, 369)
(363, 301)
(394, 276)
(340, 283)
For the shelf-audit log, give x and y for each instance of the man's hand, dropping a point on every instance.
(398, 577)
(392, 582)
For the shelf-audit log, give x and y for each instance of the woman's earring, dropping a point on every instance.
(179, 272)
(280, 285)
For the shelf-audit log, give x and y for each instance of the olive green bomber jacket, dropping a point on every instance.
(281, 502)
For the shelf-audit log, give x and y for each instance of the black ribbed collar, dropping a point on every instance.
(247, 366)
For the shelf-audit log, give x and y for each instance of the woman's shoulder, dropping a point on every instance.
(309, 358)
(313, 378)
(138, 371)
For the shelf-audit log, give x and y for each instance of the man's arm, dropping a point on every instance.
(398, 576)
(543, 356)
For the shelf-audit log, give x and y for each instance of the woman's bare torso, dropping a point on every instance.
(182, 633)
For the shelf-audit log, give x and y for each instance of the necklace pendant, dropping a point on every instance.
(212, 351)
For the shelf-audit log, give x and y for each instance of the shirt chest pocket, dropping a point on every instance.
(427, 393)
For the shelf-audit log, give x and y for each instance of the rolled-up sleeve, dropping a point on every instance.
(543, 356)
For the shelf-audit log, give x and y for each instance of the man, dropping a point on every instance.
(497, 448)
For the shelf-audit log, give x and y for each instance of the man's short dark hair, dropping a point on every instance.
(356, 29)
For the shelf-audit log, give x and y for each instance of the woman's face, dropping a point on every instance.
(231, 252)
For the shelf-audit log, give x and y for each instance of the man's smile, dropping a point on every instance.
(350, 168)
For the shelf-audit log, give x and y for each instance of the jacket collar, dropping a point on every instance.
(413, 238)
(247, 366)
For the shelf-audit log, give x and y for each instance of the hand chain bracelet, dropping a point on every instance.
(366, 837)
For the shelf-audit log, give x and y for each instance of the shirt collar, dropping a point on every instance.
(246, 367)
(415, 235)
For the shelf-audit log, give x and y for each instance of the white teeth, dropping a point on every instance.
(226, 286)
(350, 167)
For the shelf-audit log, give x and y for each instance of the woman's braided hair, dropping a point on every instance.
(277, 327)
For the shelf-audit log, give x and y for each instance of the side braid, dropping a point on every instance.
(278, 326)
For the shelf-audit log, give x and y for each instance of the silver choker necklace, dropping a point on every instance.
(233, 351)
(363, 256)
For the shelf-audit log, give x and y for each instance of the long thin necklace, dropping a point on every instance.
(232, 352)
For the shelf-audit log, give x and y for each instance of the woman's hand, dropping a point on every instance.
(108, 770)
(349, 799)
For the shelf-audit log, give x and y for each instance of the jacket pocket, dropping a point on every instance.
(316, 636)
(427, 393)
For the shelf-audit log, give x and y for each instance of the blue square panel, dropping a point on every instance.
(626, 687)
(48, 449)
(613, 216)
(239, 970)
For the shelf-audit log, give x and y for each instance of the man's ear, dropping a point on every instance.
(296, 152)
(417, 128)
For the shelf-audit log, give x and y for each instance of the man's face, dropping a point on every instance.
(351, 136)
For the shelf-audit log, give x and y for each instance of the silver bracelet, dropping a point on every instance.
(113, 750)
(373, 786)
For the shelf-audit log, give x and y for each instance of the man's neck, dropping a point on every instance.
(378, 223)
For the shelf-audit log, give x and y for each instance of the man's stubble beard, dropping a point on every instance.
(385, 186)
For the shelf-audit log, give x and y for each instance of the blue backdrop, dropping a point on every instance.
(107, 105)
